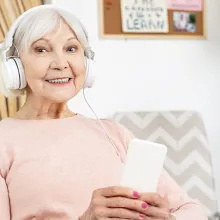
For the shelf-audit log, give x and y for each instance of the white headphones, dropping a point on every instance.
(13, 72)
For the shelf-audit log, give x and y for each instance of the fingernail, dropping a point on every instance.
(136, 194)
(142, 216)
(144, 205)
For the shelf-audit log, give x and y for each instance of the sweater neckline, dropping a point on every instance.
(44, 120)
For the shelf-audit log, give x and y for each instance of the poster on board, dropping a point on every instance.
(144, 16)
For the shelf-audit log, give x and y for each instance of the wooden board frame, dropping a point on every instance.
(125, 36)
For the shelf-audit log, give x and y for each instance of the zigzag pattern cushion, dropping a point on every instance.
(189, 159)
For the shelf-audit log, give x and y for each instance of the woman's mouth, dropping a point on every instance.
(59, 81)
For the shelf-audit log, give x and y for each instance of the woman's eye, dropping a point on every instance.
(72, 49)
(40, 50)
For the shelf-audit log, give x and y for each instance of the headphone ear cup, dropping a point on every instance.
(13, 75)
(90, 73)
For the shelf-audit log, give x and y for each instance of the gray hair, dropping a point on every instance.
(34, 26)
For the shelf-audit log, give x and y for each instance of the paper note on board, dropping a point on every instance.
(187, 5)
(144, 16)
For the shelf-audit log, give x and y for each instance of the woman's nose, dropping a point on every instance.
(59, 62)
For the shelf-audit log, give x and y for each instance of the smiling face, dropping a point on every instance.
(54, 65)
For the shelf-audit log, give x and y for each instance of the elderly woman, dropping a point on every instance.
(56, 164)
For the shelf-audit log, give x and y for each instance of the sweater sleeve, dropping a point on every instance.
(4, 196)
(181, 205)
(4, 200)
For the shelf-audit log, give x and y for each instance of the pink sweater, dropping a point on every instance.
(49, 168)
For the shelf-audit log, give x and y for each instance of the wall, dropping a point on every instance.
(155, 74)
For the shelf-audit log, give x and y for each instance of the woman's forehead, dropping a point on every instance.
(62, 31)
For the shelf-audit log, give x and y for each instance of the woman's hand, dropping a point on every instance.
(117, 203)
(158, 207)
(123, 203)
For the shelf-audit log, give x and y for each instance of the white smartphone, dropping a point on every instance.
(143, 165)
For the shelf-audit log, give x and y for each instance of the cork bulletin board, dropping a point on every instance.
(174, 19)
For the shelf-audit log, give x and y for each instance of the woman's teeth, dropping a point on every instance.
(64, 80)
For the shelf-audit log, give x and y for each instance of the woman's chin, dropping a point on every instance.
(61, 98)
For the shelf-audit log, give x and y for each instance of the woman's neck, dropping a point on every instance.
(43, 110)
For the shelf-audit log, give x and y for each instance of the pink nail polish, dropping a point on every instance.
(144, 205)
(136, 194)
(142, 216)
